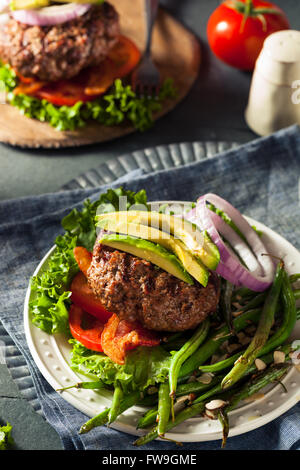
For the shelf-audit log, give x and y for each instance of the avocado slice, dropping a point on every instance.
(199, 243)
(149, 251)
(192, 264)
(28, 4)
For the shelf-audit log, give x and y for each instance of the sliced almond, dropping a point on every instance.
(210, 414)
(260, 365)
(205, 378)
(279, 357)
(180, 403)
(215, 404)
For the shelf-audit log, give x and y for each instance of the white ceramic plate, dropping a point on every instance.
(51, 354)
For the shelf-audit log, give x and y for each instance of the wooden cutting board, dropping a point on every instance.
(176, 52)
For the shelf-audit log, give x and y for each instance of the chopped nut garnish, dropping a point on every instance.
(260, 365)
(215, 404)
(279, 357)
(205, 378)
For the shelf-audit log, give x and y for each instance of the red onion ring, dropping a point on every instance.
(260, 273)
(53, 15)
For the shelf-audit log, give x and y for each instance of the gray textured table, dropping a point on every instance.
(214, 110)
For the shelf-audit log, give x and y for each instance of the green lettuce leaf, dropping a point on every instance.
(51, 298)
(120, 104)
(144, 366)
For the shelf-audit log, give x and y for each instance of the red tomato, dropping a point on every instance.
(85, 298)
(85, 328)
(63, 93)
(236, 38)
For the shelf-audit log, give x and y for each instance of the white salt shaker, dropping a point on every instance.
(274, 98)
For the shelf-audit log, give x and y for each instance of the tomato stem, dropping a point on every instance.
(247, 9)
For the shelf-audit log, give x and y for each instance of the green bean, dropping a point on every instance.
(210, 393)
(164, 408)
(185, 414)
(102, 418)
(296, 293)
(267, 359)
(243, 292)
(116, 402)
(262, 331)
(149, 400)
(148, 418)
(195, 387)
(223, 418)
(294, 277)
(273, 373)
(220, 365)
(289, 317)
(180, 356)
(225, 303)
(255, 302)
(95, 384)
(214, 341)
(272, 343)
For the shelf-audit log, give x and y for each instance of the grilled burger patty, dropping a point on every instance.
(52, 53)
(135, 289)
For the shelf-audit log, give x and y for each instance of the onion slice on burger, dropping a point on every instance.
(53, 15)
(242, 262)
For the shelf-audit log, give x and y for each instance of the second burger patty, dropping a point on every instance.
(135, 289)
(52, 53)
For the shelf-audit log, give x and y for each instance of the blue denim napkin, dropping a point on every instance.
(261, 179)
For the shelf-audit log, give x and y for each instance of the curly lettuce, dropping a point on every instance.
(120, 104)
(51, 297)
(144, 367)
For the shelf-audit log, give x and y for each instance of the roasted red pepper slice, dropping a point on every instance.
(83, 296)
(83, 258)
(119, 336)
(85, 328)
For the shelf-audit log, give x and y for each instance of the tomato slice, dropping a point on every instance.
(120, 336)
(63, 93)
(85, 298)
(125, 56)
(85, 328)
(83, 258)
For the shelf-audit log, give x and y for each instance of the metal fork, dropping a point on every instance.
(146, 78)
